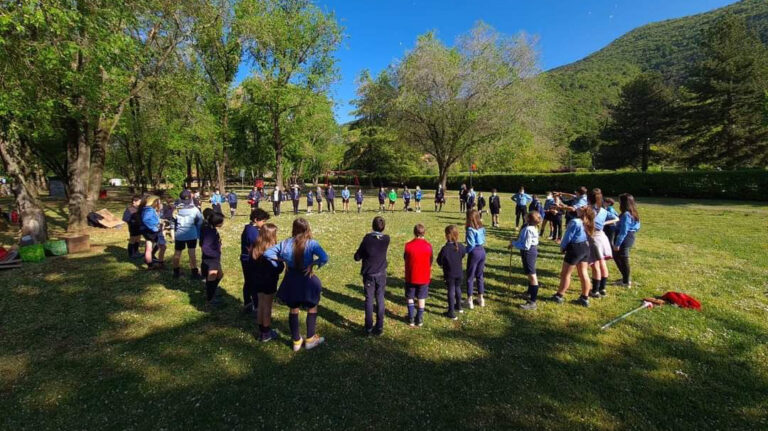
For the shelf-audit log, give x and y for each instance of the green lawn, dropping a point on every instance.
(94, 342)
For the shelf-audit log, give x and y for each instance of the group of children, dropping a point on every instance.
(595, 233)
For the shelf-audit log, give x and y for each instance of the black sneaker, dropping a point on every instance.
(583, 301)
(603, 293)
(451, 316)
(529, 305)
(376, 332)
(594, 294)
(557, 298)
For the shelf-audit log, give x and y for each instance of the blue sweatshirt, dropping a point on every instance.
(330, 193)
(574, 233)
(602, 216)
(150, 220)
(418, 195)
(529, 237)
(247, 238)
(373, 252)
(382, 196)
(216, 199)
(359, 197)
(231, 198)
(189, 221)
(626, 225)
(284, 251)
(210, 242)
(450, 258)
(475, 238)
(521, 199)
(345, 194)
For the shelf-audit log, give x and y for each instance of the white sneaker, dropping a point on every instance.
(297, 344)
(313, 342)
(482, 301)
(470, 304)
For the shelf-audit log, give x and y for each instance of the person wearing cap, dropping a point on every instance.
(189, 221)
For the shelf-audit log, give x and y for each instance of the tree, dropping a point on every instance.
(726, 115)
(641, 121)
(453, 100)
(289, 45)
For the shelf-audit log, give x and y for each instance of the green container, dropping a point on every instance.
(32, 253)
(55, 247)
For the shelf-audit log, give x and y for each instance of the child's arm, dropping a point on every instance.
(567, 236)
(623, 231)
(322, 256)
(521, 242)
(272, 254)
(360, 253)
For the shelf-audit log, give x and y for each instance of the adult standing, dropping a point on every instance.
(189, 221)
(330, 196)
(295, 196)
(277, 197)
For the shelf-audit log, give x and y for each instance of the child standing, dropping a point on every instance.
(406, 198)
(610, 230)
(310, 201)
(450, 259)
(549, 204)
(359, 200)
(521, 205)
(254, 197)
(600, 248)
(392, 198)
(247, 238)
(261, 278)
(528, 244)
(418, 273)
(373, 252)
(295, 197)
(463, 198)
(134, 227)
(319, 198)
(471, 199)
(232, 201)
(480, 204)
(494, 203)
(382, 199)
(439, 198)
(575, 246)
(345, 199)
(216, 201)
(300, 287)
(189, 221)
(151, 229)
(629, 224)
(210, 243)
(475, 236)
(417, 196)
(168, 219)
(330, 199)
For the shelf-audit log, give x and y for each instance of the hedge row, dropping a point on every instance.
(739, 185)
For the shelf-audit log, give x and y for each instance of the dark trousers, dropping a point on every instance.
(453, 285)
(557, 226)
(520, 212)
(610, 232)
(250, 298)
(217, 208)
(622, 257)
(375, 287)
(331, 205)
(276, 208)
(476, 271)
(295, 207)
(462, 205)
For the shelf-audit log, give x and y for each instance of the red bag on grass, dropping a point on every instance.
(682, 300)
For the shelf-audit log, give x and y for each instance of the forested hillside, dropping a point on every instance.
(585, 89)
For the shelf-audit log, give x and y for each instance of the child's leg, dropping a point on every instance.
(211, 284)
(311, 322)
(293, 323)
(565, 278)
(161, 253)
(420, 312)
(533, 287)
(381, 284)
(369, 285)
(603, 276)
(176, 259)
(586, 286)
(148, 245)
(480, 275)
(192, 258)
(450, 286)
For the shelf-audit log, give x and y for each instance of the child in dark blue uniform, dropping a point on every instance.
(261, 277)
(417, 195)
(330, 199)
(134, 228)
(439, 198)
(528, 244)
(382, 199)
(232, 201)
(300, 287)
(406, 199)
(247, 239)
(319, 199)
(373, 252)
(310, 201)
(494, 203)
(254, 197)
(450, 259)
(359, 200)
(210, 243)
(295, 197)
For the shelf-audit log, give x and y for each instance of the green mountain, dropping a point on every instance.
(585, 89)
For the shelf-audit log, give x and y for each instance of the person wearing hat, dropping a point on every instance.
(189, 221)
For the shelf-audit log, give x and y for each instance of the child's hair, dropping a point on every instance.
(587, 215)
(136, 198)
(419, 230)
(627, 205)
(149, 201)
(473, 219)
(259, 215)
(266, 239)
(609, 201)
(378, 224)
(534, 218)
(522, 189)
(301, 234)
(452, 235)
(215, 219)
(595, 197)
(493, 190)
(582, 190)
(207, 213)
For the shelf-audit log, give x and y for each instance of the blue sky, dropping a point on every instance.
(380, 31)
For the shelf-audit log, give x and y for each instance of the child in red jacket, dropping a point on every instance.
(418, 272)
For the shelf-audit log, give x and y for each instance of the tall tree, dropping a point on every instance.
(452, 100)
(289, 45)
(641, 122)
(727, 116)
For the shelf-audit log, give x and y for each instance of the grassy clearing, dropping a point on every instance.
(91, 341)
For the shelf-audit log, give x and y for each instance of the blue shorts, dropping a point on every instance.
(416, 291)
(529, 260)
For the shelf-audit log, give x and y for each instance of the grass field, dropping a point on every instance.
(92, 341)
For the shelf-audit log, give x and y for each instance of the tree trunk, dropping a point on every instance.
(442, 169)
(78, 161)
(98, 160)
(33, 222)
(221, 181)
(277, 138)
(189, 171)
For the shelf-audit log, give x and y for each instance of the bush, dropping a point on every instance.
(738, 185)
